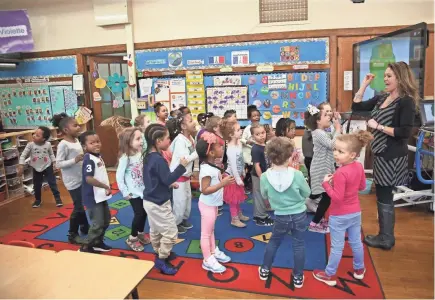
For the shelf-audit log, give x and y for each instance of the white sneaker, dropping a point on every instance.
(220, 256)
(311, 205)
(212, 265)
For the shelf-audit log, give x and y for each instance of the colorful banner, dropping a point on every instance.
(15, 32)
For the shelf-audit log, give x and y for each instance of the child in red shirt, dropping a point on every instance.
(345, 210)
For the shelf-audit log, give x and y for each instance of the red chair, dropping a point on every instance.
(21, 244)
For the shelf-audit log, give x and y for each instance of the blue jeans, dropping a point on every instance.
(297, 225)
(338, 226)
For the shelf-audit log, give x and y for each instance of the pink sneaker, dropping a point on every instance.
(325, 224)
(317, 228)
(320, 275)
(359, 273)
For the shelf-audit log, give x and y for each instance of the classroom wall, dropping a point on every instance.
(65, 24)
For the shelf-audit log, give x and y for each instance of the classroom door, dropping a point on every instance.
(111, 69)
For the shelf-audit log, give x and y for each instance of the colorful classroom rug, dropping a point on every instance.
(244, 245)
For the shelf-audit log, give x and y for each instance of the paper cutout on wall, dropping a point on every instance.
(220, 99)
(118, 102)
(145, 86)
(100, 83)
(175, 59)
(227, 80)
(96, 96)
(177, 101)
(161, 91)
(240, 58)
(116, 83)
(83, 115)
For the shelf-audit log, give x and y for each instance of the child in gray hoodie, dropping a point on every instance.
(286, 189)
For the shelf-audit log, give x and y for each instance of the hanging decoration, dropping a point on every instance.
(96, 96)
(116, 83)
(118, 102)
(100, 83)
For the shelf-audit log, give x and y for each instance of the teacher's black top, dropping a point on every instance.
(402, 122)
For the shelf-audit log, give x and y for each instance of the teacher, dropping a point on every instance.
(392, 120)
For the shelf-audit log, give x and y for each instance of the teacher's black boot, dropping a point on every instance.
(385, 239)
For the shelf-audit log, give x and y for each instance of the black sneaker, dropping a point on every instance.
(181, 229)
(220, 212)
(59, 203)
(263, 273)
(298, 281)
(102, 247)
(36, 204)
(263, 222)
(186, 224)
(84, 229)
(73, 238)
(172, 256)
(87, 249)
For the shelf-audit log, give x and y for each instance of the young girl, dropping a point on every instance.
(41, 160)
(234, 194)
(202, 119)
(247, 142)
(323, 161)
(69, 161)
(142, 122)
(181, 131)
(158, 181)
(130, 183)
(286, 127)
(211, 186)
(345, 210)
(161, 113)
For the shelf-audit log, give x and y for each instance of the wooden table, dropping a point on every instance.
(42, 274)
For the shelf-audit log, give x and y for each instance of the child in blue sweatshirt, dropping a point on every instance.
(286, 189)
(158, 181)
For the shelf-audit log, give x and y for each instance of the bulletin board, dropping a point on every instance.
(276, 95)
(171, 92)
(222, 98)
(33, 104)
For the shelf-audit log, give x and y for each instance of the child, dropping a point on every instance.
(69, 161)
(286, 127)
(230, 115)
(184, 110)
(173, 113)
(211, 186)
(95, 193)
(234, 194)
(142, 122)
(247, 142)
(323, 161)
(161, 113)
(286, 189)
(158, 181)
(261, 217)
(345, 211)
(181, 131)
(41, 160)
(130, 183)
(202, 119)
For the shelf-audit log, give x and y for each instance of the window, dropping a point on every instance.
(273, 11)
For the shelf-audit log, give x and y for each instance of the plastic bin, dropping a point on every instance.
(10, 154)
(16, 193)
(368, 189)
(11, 169)
(13, 182)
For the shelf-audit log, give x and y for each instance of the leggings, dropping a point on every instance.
(322, 208)
(208, 220)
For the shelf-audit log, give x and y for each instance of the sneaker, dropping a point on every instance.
(298, 281)
(36, 204)
(220, 256)
(143, 238)
(73, 238)
(263, 273)
(247, 192)
(325, 224)
(87, 249)
(263, 222)
(359, 273)
(59, 203)
(186, 224)
(317, 228)
(134, 244)
(243, 218)
(320, 275)
(102, 247)
(181, 229)
(165, 267)
(220, 212)
(172, 256)
(235, 221)
(212, 265)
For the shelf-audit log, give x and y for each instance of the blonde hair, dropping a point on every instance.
(125, 139)
(406, 83)
(356, 141)
(212, 123)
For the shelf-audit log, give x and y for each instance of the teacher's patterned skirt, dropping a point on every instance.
(392, 172)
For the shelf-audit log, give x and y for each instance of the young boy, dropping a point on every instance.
(95, 193)
(261, 217)
(41, 160)
(286, 189)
